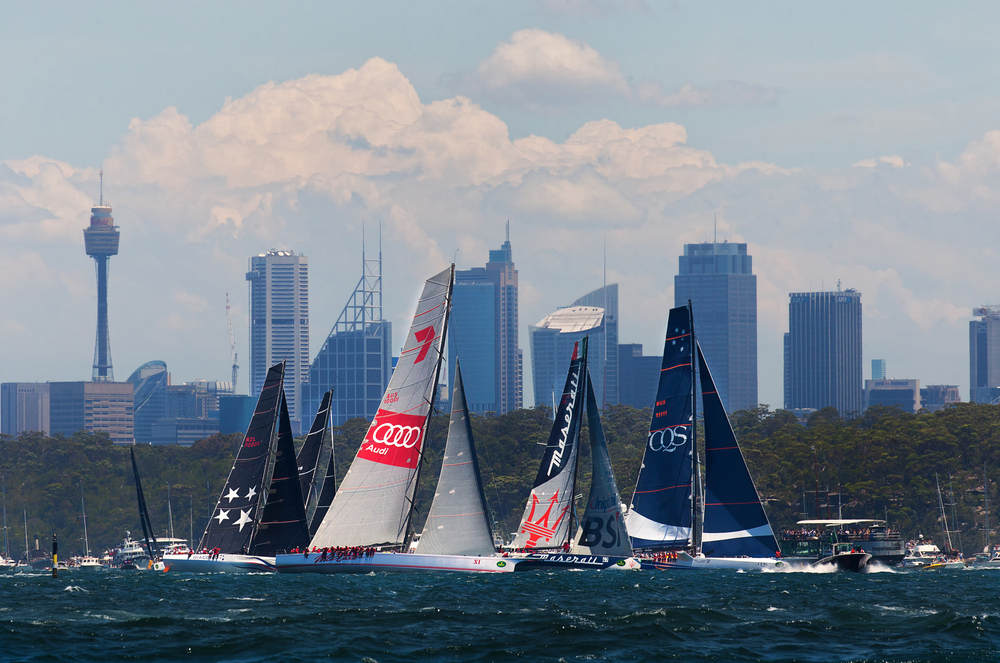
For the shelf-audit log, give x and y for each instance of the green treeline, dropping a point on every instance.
(882, 463)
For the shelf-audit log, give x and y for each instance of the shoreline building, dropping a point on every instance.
(94, 407)
(482, 334)
(934, 397)
(638, 376)
(984, 355)
(719, 281)
(101, 242)
(24, 406)
(279, 323)
(552, 342)
(823, 352)
(904, 394)
(356, 357)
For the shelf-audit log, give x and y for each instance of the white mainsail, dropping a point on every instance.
(602, 527)
(375, 500)
(457, 523)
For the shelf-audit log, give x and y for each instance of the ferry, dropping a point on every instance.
(821, 539)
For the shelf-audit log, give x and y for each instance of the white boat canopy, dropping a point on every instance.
(854, 521)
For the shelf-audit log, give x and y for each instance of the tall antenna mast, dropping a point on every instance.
(715, 229)
(232, 344)
(102, 187)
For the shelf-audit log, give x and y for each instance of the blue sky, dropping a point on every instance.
(849, 141)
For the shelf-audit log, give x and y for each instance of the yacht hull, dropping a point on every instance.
(686, 562)
(846, 561)
(392, 562)
(221, 563)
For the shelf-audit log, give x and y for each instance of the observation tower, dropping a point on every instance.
(101, 241)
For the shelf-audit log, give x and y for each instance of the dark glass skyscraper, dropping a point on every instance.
(719, 281)
(356, 358)
(984, 355)
(824, 351)
(482, 334)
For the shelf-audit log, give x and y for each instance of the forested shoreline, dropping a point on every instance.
(882, 464)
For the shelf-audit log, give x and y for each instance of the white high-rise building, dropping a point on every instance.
(279, 322)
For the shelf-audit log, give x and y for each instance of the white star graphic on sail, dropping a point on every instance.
(233, 494)
(244, 519)
(251, 492)
(223, 515)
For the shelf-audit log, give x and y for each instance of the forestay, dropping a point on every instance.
(602, 528)
(375, 500)
(735, 524)
(282, 524)
(457, 523)
(232, 524)
(660, 514)
(546, 519)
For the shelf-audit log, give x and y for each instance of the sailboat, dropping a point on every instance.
(6, 563)
(663, 521)
(547, 536)
(952, 558)
(88, 562)
(368, 525)
(312, 483)
(131, 554)
(251, 525)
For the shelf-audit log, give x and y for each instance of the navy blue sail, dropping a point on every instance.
(660, 514)
(735, 524)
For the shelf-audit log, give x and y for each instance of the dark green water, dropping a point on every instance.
(581, 616)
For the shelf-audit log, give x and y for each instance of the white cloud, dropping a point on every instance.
(301, 164)
(894, 161)
(727, 93)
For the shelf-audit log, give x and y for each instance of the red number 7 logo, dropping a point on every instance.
(426, 337)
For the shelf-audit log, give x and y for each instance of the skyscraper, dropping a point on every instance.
(878, 369)
(356, 358)
(719, 281)
(552, 342)
(101, 242)
(482, 334)
(984, 355)
(279, 322)
(824, 351)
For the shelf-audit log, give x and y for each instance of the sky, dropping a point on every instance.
(854, 143)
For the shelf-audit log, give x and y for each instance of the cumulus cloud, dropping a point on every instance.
(304, 164)
(894, 161)
(536, 66)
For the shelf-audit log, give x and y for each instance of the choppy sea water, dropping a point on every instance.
(564, 616)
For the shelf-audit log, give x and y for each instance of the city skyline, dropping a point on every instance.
(865, 158)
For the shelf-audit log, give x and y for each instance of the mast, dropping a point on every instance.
(696, 525)
(6, 547)
(585, 379)
(986, 512)
(26, 536)
(944, 518)
(954, 517)
(83, 509)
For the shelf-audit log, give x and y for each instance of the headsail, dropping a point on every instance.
(148, 532)
(311, 480)
(282, 524)
(660, 515)
(546, 519)
(602, 527)
(232, 524)
(375, 501)
(326, 494)
(735, 523)
(457, 523)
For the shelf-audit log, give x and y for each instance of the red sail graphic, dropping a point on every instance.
(394, 439)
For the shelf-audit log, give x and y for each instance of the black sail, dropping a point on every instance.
(282, 525)
(326, 495)
(147, 527)
(311, 481)
(232, 524)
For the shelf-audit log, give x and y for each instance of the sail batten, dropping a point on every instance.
(374, 503)
(735, 524)
(457, 523)
(660, 514)
(546, 519)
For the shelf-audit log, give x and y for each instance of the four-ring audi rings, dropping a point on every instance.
(396, 435)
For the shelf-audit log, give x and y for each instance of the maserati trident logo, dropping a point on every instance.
(540, 529)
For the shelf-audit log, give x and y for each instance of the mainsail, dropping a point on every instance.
(310, 480)
(326, 494)
(660, 514)
(735, 524)
(375, 501)
(147, 527)
(546, 519)
(457, 523)
(232, 524)
(282, 525)
(602, 527)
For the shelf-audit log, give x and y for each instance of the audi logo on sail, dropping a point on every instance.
(668, 439)
(396, 435)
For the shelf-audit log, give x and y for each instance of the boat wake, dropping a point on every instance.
(796, 568)
(879, 567)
